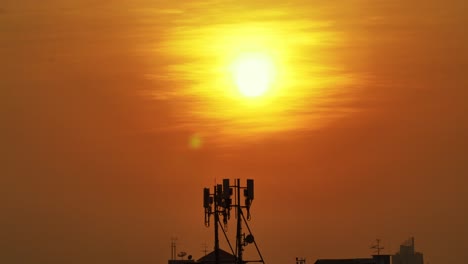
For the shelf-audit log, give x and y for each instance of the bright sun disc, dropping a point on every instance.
(253, 74)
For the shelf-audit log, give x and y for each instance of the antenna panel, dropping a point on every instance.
(250, 189)
(219, 194)
(206, 198)
(226, 190)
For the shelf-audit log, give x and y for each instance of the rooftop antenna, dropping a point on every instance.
(377, 247)
(219, 203)
(173, 248)
(300, 260)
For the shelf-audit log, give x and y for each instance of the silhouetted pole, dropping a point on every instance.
(216, 219)
(239, 224)
(173, 248)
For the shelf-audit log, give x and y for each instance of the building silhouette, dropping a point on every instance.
(224, 258)
(210, 258)
(376, 259)
(181, 261)
(407, 254)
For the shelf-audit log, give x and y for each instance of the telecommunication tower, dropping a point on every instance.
(219, 204)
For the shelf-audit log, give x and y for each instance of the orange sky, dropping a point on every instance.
(366, 137)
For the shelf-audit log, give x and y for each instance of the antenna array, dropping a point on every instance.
(219, 204)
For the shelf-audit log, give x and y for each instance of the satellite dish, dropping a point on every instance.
(182, 254)
(189, 257)
(249, 239)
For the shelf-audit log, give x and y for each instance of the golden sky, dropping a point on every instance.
(115, 115)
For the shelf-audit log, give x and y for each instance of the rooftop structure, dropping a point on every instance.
(376, 259)
(224, 258)
(407, 254)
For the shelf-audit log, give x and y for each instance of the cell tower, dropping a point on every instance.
(219, 203)
(377, 247)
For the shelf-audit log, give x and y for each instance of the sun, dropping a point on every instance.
(253, 74)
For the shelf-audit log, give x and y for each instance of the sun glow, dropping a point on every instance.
(248, 79)
(253, 74)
